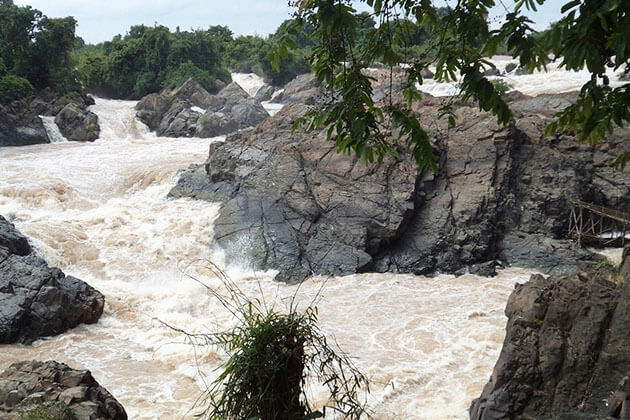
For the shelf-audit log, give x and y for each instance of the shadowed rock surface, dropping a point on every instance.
(501, 195)
(37, 300)
(565, 354)
(173, 114)
(41, 390)
(20, 124)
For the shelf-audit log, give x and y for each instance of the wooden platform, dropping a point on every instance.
(590, 224)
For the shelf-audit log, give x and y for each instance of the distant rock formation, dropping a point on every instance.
(501, 194)
(190, 111)
(51, 390)
(565, 354)
(37, 300)
(20, 124)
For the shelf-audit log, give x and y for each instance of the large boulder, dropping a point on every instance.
(77, 124)
(189, 110)
(303, 89)
(21, 125)
(51, 390)
(37, 300)
(565, 354)
(292, 203)
(230, 110)
(150, 109)
(193, 92)
(502, 195)
(179, 120)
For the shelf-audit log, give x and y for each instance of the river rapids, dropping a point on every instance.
(99, 212)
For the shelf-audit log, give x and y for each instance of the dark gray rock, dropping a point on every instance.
(303, 89)
(20, 124)
(501, 195)
(264, 93)
(47, 390)
(492, 71)
(171, 114)
(150, 109)
(193, 92)
(77, 124)
(565, 354)
(510, 67)
(35, 299)
(179, 120)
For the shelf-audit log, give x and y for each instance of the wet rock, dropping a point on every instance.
(193, 92)
(565, 351)
(37, 300)
(303, 89)
(501, 195)
(492, 72)
(51, 390)
(170, 113)
(77, 124)
(179, 120)
(230, 110)
(264, 93)
(510, 67)
(150, 109)
(20, 123)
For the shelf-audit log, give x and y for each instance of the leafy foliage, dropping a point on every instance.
(14, 87)
(271, 358)
(36, 48)
(149, 58)
(592, 34)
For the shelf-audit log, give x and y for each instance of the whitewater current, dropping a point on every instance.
(100, 212)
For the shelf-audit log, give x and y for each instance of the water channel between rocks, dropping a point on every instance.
(99, 212)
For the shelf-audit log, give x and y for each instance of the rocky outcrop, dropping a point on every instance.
(20, 124)
(565, 354)
(37, 300)
(303, 89)
(501, 196)
(190, 110)
(51, 390)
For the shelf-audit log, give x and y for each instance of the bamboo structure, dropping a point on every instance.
(596, 225)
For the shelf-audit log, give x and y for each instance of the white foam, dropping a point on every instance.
(52, 129)
(99, 211)
(250, 82)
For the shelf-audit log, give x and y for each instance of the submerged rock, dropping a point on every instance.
(37, 300)
(52, 390)
(565, 354)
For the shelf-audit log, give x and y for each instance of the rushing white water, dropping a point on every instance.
(99, 211)
(554, 80)
(250, 82)
(54, 134)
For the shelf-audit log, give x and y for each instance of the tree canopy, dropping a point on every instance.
(35, 52)
(592, 34)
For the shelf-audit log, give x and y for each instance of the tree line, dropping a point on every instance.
(37, 52)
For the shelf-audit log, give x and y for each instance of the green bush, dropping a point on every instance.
(13, 88)
(272, 356)
(176, 76)
(502, 87)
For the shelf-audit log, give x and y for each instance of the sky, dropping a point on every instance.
(100, 20)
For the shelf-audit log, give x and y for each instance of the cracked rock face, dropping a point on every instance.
(37, 300)
(501, 196)
(51, 390)
(565, 354)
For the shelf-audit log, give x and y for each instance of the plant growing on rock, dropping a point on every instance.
(272, 358)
